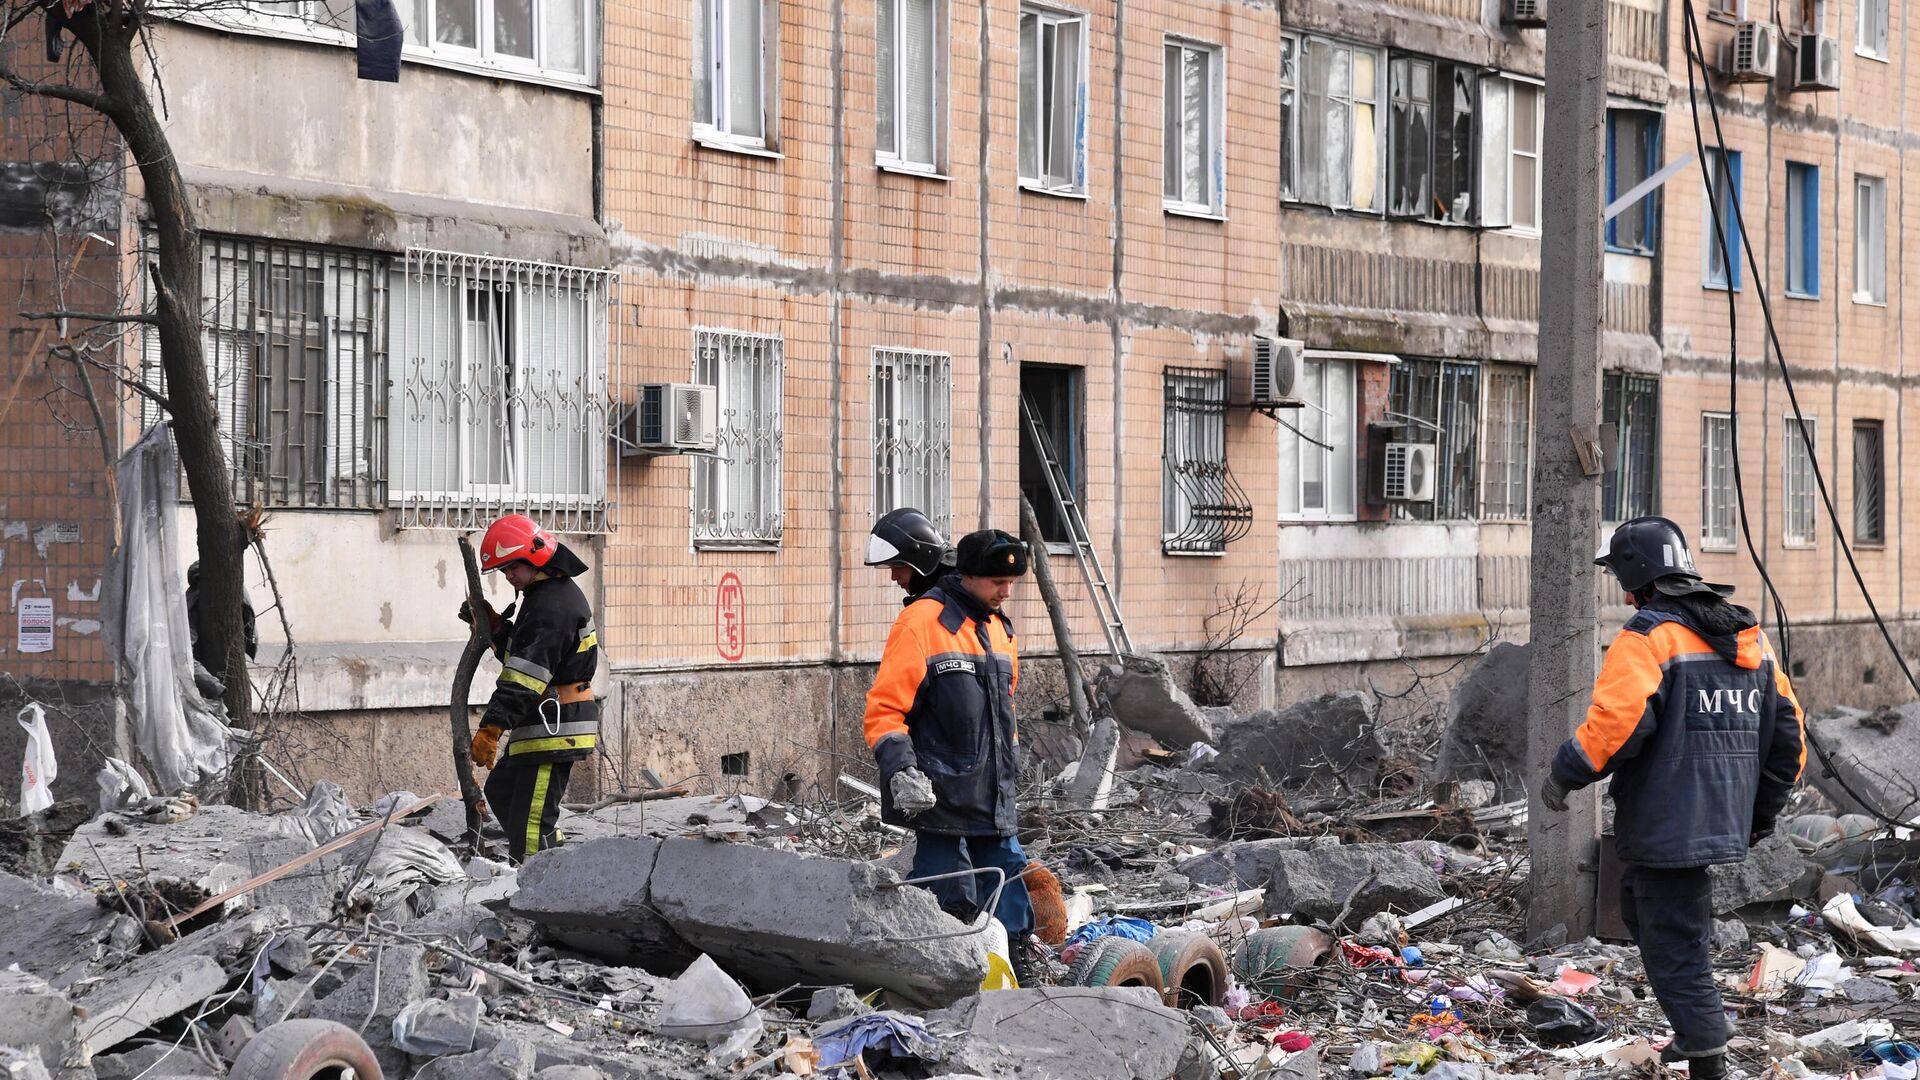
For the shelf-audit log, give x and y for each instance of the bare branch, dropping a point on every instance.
(94, 316)
(85, 356)
(91, 99)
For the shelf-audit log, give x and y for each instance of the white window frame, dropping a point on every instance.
(1337, 428)
(892, 91)
(1174, 136)
(1869, 239)
(1506, 434)
(1499, 151)
(1798, 524)
(1072, 182)
(900, 376)
(1872, 19)
(1297, 183)
(719, 126)
(750, 447)
(1718, 499)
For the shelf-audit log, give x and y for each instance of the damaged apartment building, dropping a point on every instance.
(1265, 274)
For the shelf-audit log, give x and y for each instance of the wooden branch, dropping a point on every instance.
(90, 99)
(651, 795)
(479, 642)
(1076, 675)
(142, 318)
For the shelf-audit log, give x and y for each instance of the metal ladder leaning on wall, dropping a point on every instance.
(1119, 642)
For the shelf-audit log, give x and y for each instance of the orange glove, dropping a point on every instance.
(486, 746)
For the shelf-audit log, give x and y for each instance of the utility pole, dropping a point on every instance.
(1567, 462)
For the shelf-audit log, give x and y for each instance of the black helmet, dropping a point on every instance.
(905, 537)
(1653, 551)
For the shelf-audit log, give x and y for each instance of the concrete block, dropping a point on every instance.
(1874, 755)
(1308, 741)
(1486, 736)
(151, 1059)
(1092, 783)
(1144, 697)
(381, 989)
(56, 936)
(1242, 864)
(1774, 870)
(17, 1063)
(35, 1017)
(153, 988)
(1313, 879)
(594, 898)
(1116, 1033)
(508, 1059)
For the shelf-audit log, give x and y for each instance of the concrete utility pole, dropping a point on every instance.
(1566, 412)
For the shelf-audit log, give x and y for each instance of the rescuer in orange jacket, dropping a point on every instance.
(1695, 722)
(941, 724)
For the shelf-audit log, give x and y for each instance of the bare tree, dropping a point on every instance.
(1220, 669)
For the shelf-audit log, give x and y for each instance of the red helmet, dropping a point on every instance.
(516, 537)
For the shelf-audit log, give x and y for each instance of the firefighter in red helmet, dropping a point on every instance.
(543, 702)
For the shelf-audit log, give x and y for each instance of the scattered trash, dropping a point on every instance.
(1560, 1022)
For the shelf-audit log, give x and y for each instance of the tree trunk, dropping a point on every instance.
(1057, 613)
(111, 37)
(478, 644)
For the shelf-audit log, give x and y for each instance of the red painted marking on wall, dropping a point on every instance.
(730, 617)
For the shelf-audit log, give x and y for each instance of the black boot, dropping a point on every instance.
(1705, 1067)
(1020, 957)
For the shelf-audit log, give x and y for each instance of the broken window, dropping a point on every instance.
(1723, 180)
(1202, 507)
(1054, 395)
(735, 764)
(1871, 38)
(1630, 405)
(1511, 129)
(498, 400)
(729, 78)
(1633, 149)
(1192, 159)
(1440, 402)
(295, 339)
(1796, 480)
(1317, 444)
(1716, 480)
(1053, 99)
(1430, 144)
(913, 434)
(1331, 130)
(910, 74)
(1869, 239)
(1504, 492)
(1869, 482)
(736, 491)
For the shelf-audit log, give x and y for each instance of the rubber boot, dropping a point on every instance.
(1705, 1067)
(1020, 958)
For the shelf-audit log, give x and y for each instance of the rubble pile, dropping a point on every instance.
(1266, 901)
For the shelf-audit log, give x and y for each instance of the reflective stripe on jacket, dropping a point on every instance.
(943, 701)
(1699, 728)
(553, 643)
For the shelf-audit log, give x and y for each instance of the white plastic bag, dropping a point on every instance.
(121, 785)
(38, 769)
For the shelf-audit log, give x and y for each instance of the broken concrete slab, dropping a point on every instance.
(57, 935)
(1067, 1032)
(1774, 870)
(153, 988)
(1872, 755)
(1242, 864)
(1486, 736)
(508, 1059)
(30, 846)
(397, 976)
(1330, 735)
(1312, 879)
(152, 1059)
(37, 1018)
(18, 1063)
(1092, 783)
(694, 815)
(570, 1072)
(1144, 697)
(594, 898)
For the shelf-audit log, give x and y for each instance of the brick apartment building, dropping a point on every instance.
(873, 226)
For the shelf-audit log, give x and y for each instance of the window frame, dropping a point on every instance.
(1195, 474)
(1294, 188)
(1879, 25)
(1620, 391)
(1875, 536)
(713, 472)
(1649, 163)
(1075, 185)
(1723, 177)
(713, 132)
(1874, 249)
(1459, 393)
(1443, 116)
(1498, 448)
(1799, 524)
(938, 439)
(1214, 152)
(1498, 151)
(1342, 458)
(939, 55)
(1803, 236)
(1719, 502)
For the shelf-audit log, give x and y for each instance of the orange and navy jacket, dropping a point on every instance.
(552, 645)
(943, 702)
(1697, 725)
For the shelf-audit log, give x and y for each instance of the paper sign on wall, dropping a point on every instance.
(36, 624)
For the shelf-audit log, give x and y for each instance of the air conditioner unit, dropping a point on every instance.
(675, 418)
(1276, 370)
(1753, 54)
(1525, 13)
(1409, 473)
(1816, 63)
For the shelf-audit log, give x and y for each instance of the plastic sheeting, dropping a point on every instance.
(184, 737)
(38, 769)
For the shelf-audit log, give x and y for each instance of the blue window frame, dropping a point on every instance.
(1723, 181)
(1803, 229)
(1633, 154)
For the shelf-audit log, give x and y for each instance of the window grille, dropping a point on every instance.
(1796, 476)
(1504, 495)
(1869, 482)
(1631, 403)
(736, 492)
(1202, 507)
(1442, 395)
(913, 434)
(1716, 480)
(499, 400)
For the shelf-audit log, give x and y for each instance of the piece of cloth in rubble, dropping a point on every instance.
(1696, 722)
(525, 796)
(897, 1034)
(404, 861)
(963, 897)
(1669, 914)
(325, 814)
(184, 737)
(1124, 926)
(378, 36)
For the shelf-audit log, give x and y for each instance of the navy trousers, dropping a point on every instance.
(1670, 915)
(964, 896)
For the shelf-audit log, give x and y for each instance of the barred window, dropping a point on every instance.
(499, 399)
(296, 351)
(1631, 405)
(1202, 507)
(1796, 477)
(736, 492)
(1443, 398)
(1716, 480)
(1504, 491)
(913, 434)
(1869, 482)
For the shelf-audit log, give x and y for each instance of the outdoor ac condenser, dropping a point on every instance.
(676, 418)
(1276, 371)
(1409, 472)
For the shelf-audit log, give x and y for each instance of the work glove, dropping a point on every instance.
(495, 619)
(912, 791)
(486, 746)
(1553, 795)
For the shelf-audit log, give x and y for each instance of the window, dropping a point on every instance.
(1723, 183)
(1803, 229)
(1511, 130)
(736, 764)
(499, 397)
(1192, 158)
(1331, 133)
(1430, 140)
(730, 71)
(1633, 154)
(911, 83)
(1869, 483)
(913, 434)
(295, 340)
(1202, 508)
(1054, 395)
(1440, 400)
(736, 492)
(1796, 480)
(1630, 405)
(1869, 240)
(1809, 16)
(551, 37)
(1503, 494)
(1053, 100)
(1716, 480)
(1317, 444)
(1871, 39)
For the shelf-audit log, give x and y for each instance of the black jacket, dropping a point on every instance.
(551, 645)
